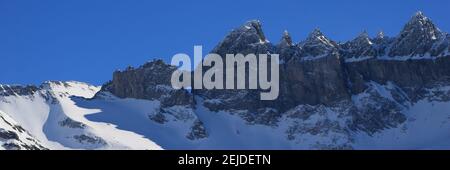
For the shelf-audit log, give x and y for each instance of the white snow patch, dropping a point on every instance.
(357, 59)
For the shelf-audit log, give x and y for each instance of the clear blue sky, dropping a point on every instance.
(86, 40)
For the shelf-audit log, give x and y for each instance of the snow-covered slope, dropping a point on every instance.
(303, 127)
(51, 117)
(13, 136)
(66, 115)
(427, 125)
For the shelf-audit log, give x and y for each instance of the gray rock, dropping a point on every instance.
(150, 81)
(158, 117)
(198, 131)
(67, 122)
(17, 90)
(7, 135)
(89, 139)
(317, 44)
(249, 38)
(417, 37)
(361, 46)
(11, 146)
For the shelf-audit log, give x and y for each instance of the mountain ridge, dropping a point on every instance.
(354, 95)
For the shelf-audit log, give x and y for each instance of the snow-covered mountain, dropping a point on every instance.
(367, 93)
(46, 117)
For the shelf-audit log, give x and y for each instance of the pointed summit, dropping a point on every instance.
(286, 48)
(419, 16)
(254, 23)
(363, 34)
(380, 35)
(359, 47)
(363, 39)
(419, 23)
(286, 35)
(256, 27)
(316, 36)
(317, 45)
(286, 39)
(381, 39)
(239, 39)
(417, 37)
(316, 32)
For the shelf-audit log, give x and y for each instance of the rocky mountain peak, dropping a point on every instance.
(363, 38)
(155, 63)
(286, 40)
(317, 44)
(420, 23)
(419, 17)
(150, 81)
(316, 37)
(417, 37)
(382, 41)
(286, 47)
(359, 47)
(255, 27)
(316, 33)
(248, 38)
(364, 34)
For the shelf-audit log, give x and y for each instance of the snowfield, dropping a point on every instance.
(57, 123)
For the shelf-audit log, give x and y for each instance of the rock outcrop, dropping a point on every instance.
(150, 81)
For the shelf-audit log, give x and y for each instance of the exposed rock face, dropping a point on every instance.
(6, 90)
(197, 131)
(407, 74)
(246, 39)
(286, 48)
(89, 139)
(6, 135)
(67, 122)
(315, 75)
(310, 73)
(373, 111)
(150, 81)
(361, 46)
(315, 71)
(320, 81)
(418, 37)
(316, 46)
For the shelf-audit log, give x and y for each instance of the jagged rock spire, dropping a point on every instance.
(361, 46)
(316, 36)
(286, 47)
(255, 26)
(420, 23)
(363, 38)
(316, 32)
(417, 37)
(286, 39)
(317, 44)
(364, 34)
(238, 40)
(380, 35)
